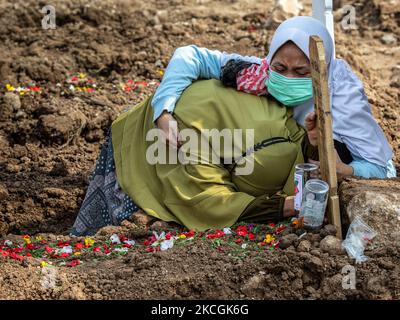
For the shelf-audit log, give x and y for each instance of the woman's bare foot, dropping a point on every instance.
(159, 225)
(141, 218)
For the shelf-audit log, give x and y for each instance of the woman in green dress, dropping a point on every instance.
(202, 194)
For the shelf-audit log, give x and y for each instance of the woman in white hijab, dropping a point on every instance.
(360, 143)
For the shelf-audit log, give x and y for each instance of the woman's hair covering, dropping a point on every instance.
(299, 29)
(353, 122)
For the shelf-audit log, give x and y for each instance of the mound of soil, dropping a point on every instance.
(49, 141)
(310, 267)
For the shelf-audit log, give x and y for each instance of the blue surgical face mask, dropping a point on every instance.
(289, 91)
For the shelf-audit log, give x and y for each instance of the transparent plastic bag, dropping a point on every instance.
(358, 236)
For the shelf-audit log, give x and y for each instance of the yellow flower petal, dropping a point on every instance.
(89, 242)
(9, 87)
(268, 239)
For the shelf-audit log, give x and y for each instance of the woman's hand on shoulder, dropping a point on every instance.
(169, 128)
(310, 124)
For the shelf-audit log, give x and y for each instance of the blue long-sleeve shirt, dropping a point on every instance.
(191, 63)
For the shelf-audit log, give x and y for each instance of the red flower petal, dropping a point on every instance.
(219, 233)
(62, 244)
(190, 234)
(16, 257)
(280, 229)
(79, 245)
(74, 263)
(241, 231)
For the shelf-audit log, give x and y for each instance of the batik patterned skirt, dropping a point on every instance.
(105, 203)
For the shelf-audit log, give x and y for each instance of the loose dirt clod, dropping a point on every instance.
(331, 245)
(327, 230)
(304, 246)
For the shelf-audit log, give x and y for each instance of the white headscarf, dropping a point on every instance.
(299, 30)
(353, 122)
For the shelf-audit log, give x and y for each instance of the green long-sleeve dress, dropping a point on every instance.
(212, 195)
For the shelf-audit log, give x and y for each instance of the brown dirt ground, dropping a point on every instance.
(49, 142)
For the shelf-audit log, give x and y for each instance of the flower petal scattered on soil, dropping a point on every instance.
(242, 237)
(22, 90)
(115, 239)
(89, 242)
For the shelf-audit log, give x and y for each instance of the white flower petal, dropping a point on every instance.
(66, 249)
(167, 244)
(115, 239)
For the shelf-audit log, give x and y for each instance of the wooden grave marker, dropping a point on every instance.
(324, 120)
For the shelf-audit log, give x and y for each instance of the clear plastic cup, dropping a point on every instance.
(303, 173)
(315, 198)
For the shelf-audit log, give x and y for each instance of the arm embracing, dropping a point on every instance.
(187, 64)
(266, 208)
(190, 63)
